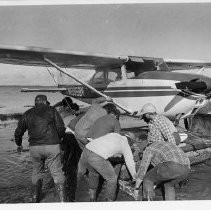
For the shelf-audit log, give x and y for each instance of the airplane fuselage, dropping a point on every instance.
(158, 88)
(130, 80)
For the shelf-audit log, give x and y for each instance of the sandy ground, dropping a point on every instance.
(15, 177)
(15, 183)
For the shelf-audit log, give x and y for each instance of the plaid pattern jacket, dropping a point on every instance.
(161, 129)
(160, 152)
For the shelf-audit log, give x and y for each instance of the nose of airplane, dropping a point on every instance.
(195, 85)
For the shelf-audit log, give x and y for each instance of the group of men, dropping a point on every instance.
(98, 133)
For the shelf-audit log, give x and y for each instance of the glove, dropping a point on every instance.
(109, 99)
(19, 149)
(135, 113)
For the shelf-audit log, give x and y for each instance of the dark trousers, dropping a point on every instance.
(169, 174)
(96, 166)
(51, 155)
(71, 156)
(71, 153)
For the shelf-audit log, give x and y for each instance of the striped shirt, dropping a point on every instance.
(161, 129)
(160, 152)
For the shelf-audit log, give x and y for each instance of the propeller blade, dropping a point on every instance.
(177, 98)
(194, 86)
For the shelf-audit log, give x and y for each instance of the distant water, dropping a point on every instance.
(12, 100)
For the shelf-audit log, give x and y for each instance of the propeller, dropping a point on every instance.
(188, 88)
(177, 98)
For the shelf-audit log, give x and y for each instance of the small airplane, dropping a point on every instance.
(131, 81)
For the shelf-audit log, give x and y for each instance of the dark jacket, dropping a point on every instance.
(44, 124)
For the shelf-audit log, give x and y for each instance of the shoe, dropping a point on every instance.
(92, 195)
(108, 200)
(37, 192)
(61, 191)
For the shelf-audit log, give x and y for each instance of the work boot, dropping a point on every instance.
(37, 191)
(92, 195)
(61, 192)
(109, 200)
(150, 196)
(169, 192)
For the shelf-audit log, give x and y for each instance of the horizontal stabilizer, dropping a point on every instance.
(182, 64)
(26, 90)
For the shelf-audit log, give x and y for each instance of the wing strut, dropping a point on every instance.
(84, 83)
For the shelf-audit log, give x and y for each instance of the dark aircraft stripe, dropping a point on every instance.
(140, 88)
(79, 91)
(145, 94)
(121, 88)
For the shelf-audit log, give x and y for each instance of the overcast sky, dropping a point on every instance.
(159, 30)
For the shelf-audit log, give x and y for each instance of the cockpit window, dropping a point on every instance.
(130, 75)
(107, 76)
(113, 76)
(98, 78)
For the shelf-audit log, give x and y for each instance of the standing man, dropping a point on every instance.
(45, 130)
(160, 127)
(95, 158)
(171, 166)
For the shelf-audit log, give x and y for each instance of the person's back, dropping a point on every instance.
(104, 125)
(95, 158)
(113, 145)
(165, 152)
(161, 129)
(107, 145)
(44, 125)
(83, 125)
(171, 165)
(173, 130)
(45, 128)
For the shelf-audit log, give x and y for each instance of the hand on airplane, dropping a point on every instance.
(135, 113)
(109, 99)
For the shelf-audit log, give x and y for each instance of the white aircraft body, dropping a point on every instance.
(130, 81)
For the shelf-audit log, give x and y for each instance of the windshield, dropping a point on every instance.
(107, 76)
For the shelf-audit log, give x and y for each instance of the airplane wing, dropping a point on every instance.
(180, 64)
(34, 56)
